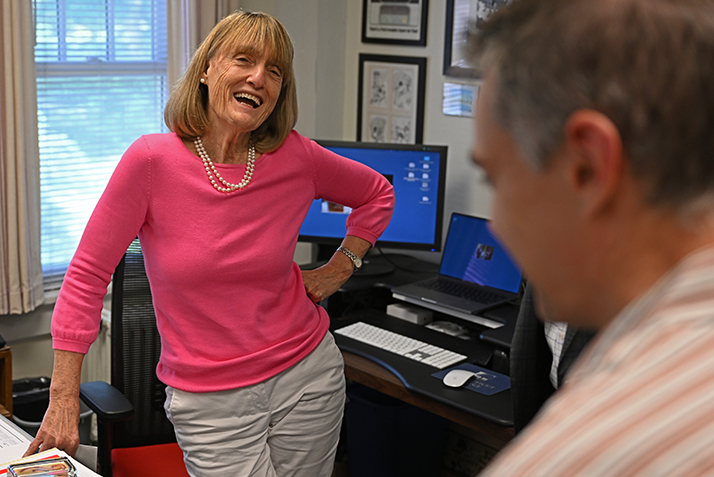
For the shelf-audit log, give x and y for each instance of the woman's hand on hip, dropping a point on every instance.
(322, 282)
(326, 280)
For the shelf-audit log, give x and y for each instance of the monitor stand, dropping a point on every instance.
(372, 265)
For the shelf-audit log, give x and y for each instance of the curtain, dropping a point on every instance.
(189, 21)
(21, 288)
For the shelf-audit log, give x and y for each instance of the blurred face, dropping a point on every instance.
(243, 89)
(532, 212)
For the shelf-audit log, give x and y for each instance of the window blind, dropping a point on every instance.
(101, 83)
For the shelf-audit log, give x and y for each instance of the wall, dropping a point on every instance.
(29, 337)
(31, 343)
(465, 192)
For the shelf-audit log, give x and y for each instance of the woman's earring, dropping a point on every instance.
(203, 80)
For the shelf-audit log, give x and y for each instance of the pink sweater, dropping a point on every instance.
(230, 303)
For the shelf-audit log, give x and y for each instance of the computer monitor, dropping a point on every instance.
(418, 174)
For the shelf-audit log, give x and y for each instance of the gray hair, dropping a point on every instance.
(648, 65)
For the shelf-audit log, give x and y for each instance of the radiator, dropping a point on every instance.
(96, 366)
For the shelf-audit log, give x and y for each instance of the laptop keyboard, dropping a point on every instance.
(402, 345)
(461, 291)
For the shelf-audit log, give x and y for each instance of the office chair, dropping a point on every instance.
(135, 437)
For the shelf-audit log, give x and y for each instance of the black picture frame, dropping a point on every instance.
(395, 22)
(460, 16)
(390, 100)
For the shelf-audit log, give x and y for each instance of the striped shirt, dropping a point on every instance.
(640, 401)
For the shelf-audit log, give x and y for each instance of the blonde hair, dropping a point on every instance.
(249, 32)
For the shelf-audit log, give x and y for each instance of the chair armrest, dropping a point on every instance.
(106, 400)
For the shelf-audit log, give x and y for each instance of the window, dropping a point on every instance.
(101, 83)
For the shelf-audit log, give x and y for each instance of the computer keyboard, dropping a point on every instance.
(402, 345)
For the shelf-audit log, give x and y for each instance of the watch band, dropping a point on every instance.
(356, 260)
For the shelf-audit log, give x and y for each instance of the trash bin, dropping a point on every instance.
(388, 437)
(30, 398)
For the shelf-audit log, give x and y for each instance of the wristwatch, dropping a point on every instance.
(356, 261)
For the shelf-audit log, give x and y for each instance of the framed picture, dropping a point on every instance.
(401, 22)
(391, 99)
(460, 16)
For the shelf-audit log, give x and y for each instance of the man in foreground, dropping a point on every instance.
(595, 127)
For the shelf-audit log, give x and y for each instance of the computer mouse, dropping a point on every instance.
(457, 377)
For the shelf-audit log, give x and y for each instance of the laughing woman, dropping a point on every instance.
(254, 380)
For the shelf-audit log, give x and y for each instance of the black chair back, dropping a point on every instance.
(135, 353)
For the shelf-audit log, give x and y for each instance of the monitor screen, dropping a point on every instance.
(418, 174)
(474, 254)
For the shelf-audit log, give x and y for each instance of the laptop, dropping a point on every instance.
(475, 273)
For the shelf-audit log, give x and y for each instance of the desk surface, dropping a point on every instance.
(6, 381)
(411, 381)
(370, 374)
(15, 442)
(417, 377)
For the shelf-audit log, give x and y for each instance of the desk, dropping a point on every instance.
(370, 374)
(364, 298)
(6, 382)
(411, 381)
(14, 444)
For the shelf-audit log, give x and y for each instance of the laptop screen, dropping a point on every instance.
(473, 254)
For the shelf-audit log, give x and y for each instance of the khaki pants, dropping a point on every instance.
(288, 425)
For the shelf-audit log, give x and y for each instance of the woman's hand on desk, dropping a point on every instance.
(60, 428)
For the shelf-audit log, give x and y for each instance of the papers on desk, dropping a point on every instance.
(14, 442)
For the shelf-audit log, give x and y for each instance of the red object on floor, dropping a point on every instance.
(162, 459)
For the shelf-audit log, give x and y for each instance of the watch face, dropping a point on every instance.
(358, 262)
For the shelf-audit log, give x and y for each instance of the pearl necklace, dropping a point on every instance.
(211, 169)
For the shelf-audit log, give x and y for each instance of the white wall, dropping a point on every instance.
(464, 192)
(317, 28)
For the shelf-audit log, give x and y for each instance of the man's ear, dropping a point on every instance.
(597, 164)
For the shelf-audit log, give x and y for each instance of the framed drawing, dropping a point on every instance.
(401, 22)
(390, 104)
(461, 15)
